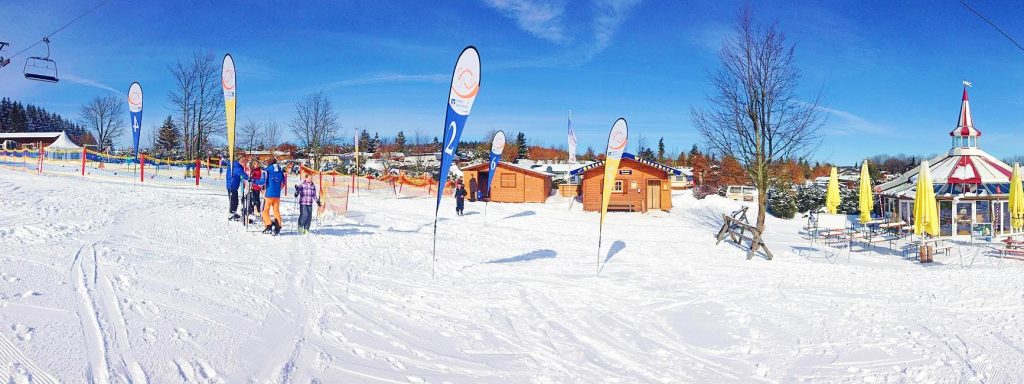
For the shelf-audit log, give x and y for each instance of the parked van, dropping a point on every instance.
(741, 193)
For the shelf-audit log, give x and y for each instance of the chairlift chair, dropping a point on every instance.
(3, 61)
(41, 68)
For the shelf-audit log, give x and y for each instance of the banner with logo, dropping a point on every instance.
(227, 79)
(616, 146)
(617, 139)
(497, 147)
(572, 141)
(465, 85)
(463, 91)
(135, 110)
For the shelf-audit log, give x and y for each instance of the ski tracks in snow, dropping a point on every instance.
(102, 320)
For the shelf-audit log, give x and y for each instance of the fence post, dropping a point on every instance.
(42, 154)
(83, 161)
(198, 171)
(142, 167)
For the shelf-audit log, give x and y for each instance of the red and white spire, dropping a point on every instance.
(965, 126)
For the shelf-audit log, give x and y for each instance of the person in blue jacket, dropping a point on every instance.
(273, 180)
(233, 181)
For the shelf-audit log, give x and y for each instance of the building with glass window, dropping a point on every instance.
(971, 186)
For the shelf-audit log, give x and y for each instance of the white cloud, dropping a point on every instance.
(89, 83)
(543, 20)
(389, 78)
(851, 124)
(608, 16)
(583, 40)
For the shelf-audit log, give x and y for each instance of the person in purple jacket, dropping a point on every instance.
(306, 192)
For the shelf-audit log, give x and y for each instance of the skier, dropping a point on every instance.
(254, 189)
(233, 181)
(460, 197)
(472, 189)
(272, 182)
(306, 192)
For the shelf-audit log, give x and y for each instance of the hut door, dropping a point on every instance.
(653, 194)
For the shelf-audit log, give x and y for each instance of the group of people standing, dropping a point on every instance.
(270, 181)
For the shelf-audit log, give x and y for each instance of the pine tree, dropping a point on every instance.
(589, 155)
(365, 141)
(374, 143)
(780, 203)
(681, 160)
(168, 137)
(522, 151)
(661, 150)
(436, 145)
(400, 142)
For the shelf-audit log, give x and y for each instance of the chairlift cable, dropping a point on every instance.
(1000, 30)
(47, 37)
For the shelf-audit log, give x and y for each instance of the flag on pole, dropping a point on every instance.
(355, 169)
(497, 147)
(617, 139)
(227, 76)
(572, 141)
(135, 110)
(464, 87)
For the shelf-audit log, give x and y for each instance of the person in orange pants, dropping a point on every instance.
(273, 182)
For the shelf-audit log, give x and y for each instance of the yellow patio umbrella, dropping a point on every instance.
(1016, 199)
(867, 202)
(832, 193)
(926, 212)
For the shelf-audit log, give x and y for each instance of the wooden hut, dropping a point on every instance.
(512, 184)
(640, 185)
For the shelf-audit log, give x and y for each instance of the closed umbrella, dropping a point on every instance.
(867, 202)
(1016, 199)
(832, 193)
(926, 212)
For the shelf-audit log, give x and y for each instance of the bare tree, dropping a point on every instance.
(104, 117)
(754, 114)
(315, 124)
(249, 134)
(199, 101)
(271, 134)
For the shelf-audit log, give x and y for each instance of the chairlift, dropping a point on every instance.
(41, 68)
(3, 61)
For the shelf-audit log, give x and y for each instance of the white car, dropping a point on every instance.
(741, 193)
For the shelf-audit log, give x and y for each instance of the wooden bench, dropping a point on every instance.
(622, 207)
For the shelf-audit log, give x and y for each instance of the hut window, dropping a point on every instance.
(618, 186)
(508, 180)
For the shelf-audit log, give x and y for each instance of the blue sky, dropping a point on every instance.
(890, 71)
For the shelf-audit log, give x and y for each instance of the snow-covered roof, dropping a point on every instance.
(626, 155)
(507, 164)
(64, 143)
(29, 135)
(964, 169)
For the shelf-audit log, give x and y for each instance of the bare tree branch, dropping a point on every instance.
(754, 114)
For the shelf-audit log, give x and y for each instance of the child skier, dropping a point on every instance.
(306, 192)
(272, 182)
(254, 189)
(460, 197)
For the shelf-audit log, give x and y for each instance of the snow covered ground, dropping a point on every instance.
(113, 282)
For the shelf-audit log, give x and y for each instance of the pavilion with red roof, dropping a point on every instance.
(971, 186)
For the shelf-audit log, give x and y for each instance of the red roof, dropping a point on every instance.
(965, 124)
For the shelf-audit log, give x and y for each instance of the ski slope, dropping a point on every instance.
(107, 281)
